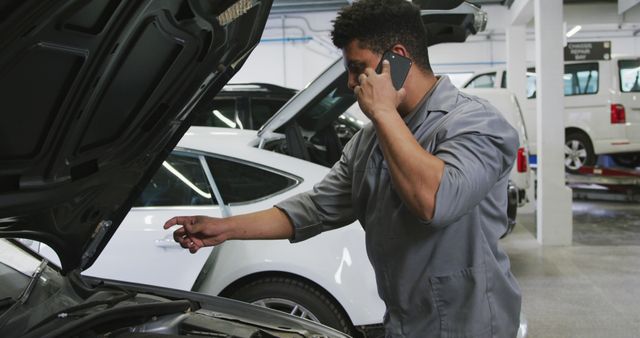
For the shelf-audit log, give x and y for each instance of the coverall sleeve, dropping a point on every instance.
(478, 148)
(327, 206)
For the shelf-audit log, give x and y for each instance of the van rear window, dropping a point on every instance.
(629, 75)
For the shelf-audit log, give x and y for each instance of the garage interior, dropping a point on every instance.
(576, 253)
(575, 246)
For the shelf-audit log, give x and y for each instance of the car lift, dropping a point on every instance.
(605, 182)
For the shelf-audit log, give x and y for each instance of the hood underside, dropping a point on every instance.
(94, 96)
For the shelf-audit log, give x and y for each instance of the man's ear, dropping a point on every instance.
(400, 49)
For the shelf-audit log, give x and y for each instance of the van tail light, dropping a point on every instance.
(618, 115)
(521, 161)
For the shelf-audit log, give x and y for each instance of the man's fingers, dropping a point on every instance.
(178, 220)
(386, 67)
(401, 94)
(178, 234)
(369, 72)
(361, 78)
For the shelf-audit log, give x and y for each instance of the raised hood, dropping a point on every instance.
(94, 95)
(444, 20)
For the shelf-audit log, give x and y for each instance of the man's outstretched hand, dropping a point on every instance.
(198, 231)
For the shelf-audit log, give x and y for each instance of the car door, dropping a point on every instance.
(141, 250)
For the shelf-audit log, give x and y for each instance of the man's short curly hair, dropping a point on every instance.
(379, 24)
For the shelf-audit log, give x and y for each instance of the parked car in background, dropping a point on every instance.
(220, 172)
(601, 109)
(243, 106)
(95, 94)
(507, 103)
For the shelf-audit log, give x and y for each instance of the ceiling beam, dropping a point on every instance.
(625, 5)
(521, 12)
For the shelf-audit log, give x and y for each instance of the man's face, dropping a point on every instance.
(357, 60)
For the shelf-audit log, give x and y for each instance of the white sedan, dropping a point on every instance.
(327, 278)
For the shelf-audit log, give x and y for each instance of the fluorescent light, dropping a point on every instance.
(185, 180)
(224, 119)
(574, 30)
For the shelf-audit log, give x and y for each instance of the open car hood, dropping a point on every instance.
(445, 21)
(95, 94)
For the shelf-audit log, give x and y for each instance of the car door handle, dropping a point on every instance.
(168, 243)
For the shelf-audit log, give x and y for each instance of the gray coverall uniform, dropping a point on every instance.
(444, 277)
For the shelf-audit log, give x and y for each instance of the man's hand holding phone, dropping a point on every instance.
(376, 92)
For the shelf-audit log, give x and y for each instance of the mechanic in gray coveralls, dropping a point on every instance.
(427, 179)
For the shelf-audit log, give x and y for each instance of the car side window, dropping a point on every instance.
(180, 181)
(581, 79)
(531, 82)
(487, 80)
(263, 109)
(221, 114)
(241, 182)
(629, 75)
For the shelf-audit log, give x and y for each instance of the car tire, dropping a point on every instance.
(631, 160)
(578, 152)
(294, 297)
(512, 208)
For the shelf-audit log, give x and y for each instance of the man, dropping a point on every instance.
(427, 179)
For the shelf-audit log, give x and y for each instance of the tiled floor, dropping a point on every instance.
(588, 289)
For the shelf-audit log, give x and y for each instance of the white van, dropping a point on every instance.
(601, 109)
(507, 103)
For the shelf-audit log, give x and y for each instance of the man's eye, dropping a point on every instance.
(357, 69)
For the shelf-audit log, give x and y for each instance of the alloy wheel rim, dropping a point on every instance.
(287, 306)
(575, 154)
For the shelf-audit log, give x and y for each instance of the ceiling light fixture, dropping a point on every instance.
(574, 30)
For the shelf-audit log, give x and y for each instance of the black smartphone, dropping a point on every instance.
(400, 66)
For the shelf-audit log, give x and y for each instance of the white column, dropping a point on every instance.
(516, 61)
(625, 5)
(517, 84)
(554, 215)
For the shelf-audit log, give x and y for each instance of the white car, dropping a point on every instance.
(601, 109)
(507, 103)
(219, 172)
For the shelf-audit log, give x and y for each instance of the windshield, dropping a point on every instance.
(29, 288)
(335, 100)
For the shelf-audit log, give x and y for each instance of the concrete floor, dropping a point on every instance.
(588, 289)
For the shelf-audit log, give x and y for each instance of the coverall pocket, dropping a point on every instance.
(462, 303)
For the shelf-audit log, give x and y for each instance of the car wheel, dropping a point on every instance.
(578, 152)
(512, 208)
(296, 298)
(631, 160)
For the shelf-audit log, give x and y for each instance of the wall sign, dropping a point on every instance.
(580, 51)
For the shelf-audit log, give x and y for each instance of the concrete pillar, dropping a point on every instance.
(554, 214)
(517, 84)
(625, 5)
(516, 61)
